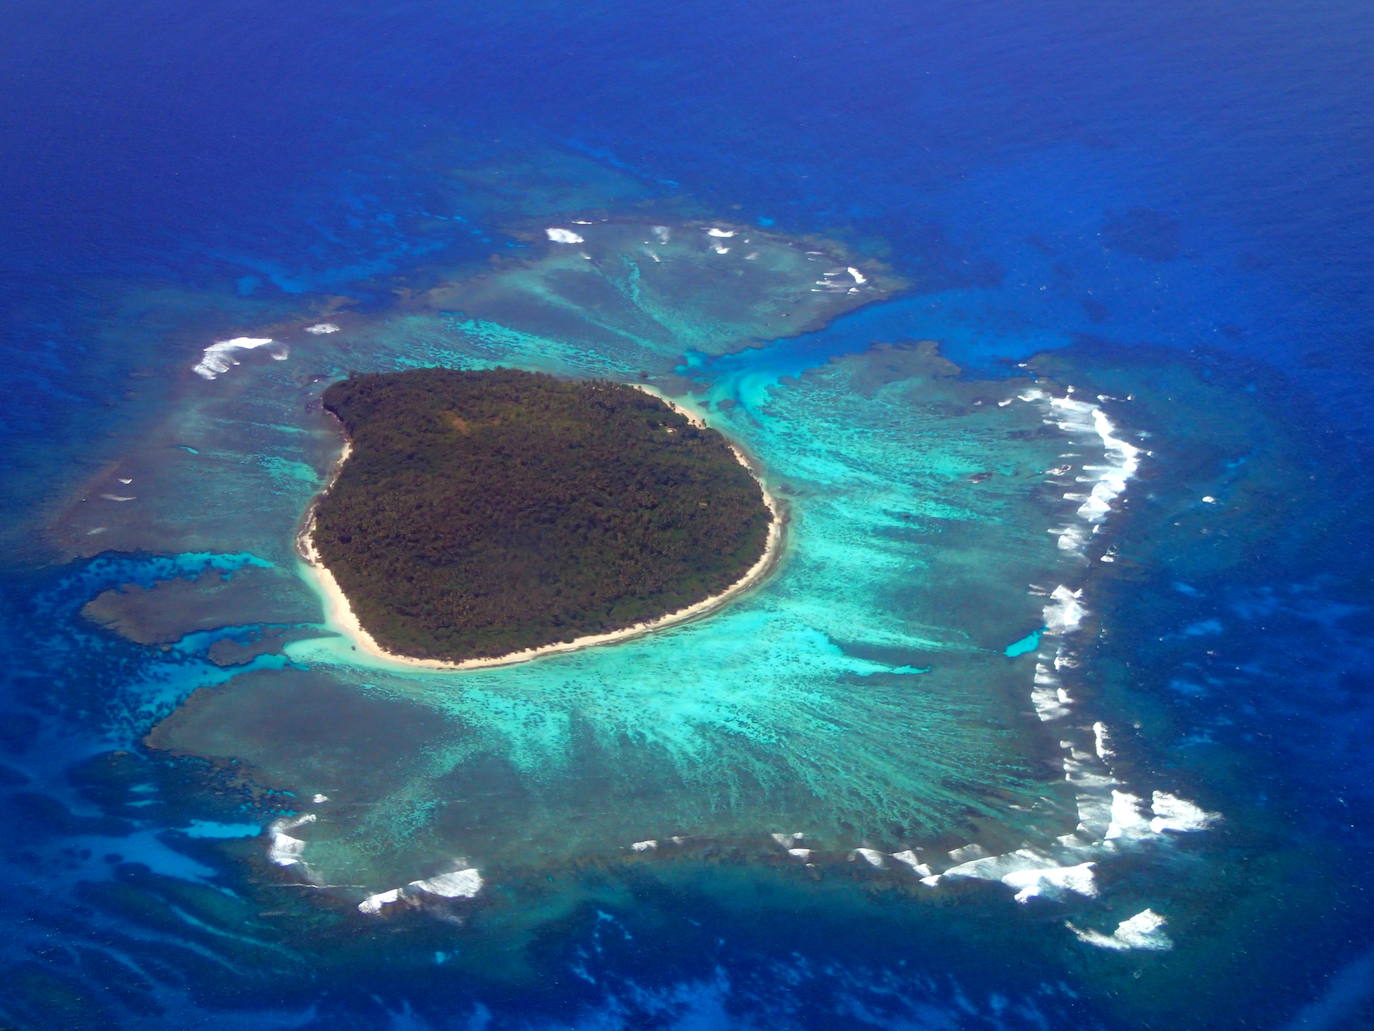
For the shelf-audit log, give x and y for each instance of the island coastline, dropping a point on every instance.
(339, 614)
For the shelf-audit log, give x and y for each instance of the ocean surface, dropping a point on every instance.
(1050, 326)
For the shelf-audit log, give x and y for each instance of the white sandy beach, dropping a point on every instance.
(339, 613)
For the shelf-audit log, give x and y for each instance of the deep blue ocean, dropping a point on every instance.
(1169, 205)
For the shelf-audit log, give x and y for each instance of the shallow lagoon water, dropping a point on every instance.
(725, 729)
(857, 716)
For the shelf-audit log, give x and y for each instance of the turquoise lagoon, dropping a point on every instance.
(857, 716)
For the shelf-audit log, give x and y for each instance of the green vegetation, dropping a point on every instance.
(482, 513)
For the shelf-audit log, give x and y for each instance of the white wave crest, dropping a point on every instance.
(1030, 874)
(372, 905)
(1178, 814)
(1145, 930)
(219, 358)
(1065, 612)
(909, 859)
(465, 883)
(282, 848)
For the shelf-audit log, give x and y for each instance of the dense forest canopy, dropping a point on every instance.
(482, 513)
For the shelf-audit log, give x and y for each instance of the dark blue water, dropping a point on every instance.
(1141, 189)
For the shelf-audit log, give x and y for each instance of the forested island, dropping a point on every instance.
(480, 514)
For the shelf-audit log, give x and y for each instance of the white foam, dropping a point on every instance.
(1121, 458)
(859, 277)
(1045, 694)
(564, 236)
(1109, 818)
(909, 858)
(723, 234)
(1065, 612)
(720, 248)
(1051, 881)
(964, 853)
(804, 854)
(118, 497)
(463, 883)
(285, 850)
(1093, 800)
(662, 234)
(219, 357)
(320, 328)
(1145, 930)
(1127, 820)
(372, 905)
(457, 884)
(1029, 874)
(319, 799)
(787, 840)
(282, 848)
(1178, 814)
(644, 846)
(1100, 745)
(1072, 538)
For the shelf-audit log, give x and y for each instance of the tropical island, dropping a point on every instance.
(486, 517)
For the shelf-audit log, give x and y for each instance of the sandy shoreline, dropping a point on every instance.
(339, 612)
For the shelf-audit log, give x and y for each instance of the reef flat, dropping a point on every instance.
(485, 517)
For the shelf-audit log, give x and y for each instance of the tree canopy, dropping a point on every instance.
(482, 513)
